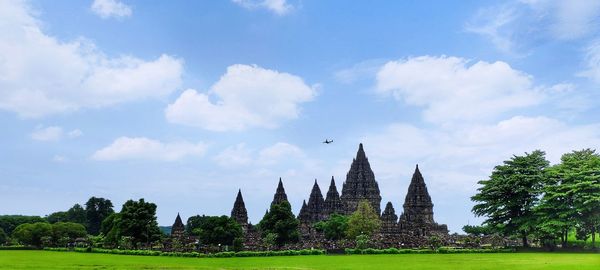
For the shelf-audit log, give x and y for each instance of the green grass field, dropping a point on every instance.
(72, 260)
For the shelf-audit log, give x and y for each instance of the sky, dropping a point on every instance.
(185, 102)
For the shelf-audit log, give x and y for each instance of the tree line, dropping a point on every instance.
(528, 198)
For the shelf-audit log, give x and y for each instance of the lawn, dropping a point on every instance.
(72, 260)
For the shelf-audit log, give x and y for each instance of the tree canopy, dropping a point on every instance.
(334, 227)
(507, 199)
(96, 210)
(215, 230)
(281, 222)
(364, 221)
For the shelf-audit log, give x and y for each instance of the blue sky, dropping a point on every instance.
(182, 103)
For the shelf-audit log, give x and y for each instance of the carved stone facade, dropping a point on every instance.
(239, 212)
(333, 203)
(280, 195)
(360, 184)
(178, 228)
(417, 218)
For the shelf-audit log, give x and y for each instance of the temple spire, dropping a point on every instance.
(239, 212)
(333, 204)
(315, 204)
(360, 184)
(280, 195)
(178, 229)
(417, 204)
(303, 215)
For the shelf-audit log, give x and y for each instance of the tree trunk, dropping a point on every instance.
(566, 238)
(593, 237)
(525, 243)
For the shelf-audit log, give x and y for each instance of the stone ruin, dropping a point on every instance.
(412, 229)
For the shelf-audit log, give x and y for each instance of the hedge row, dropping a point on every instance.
(442, 250)
(195, 254)
(17, 248)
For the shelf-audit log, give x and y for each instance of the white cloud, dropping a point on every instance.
(125, 148)
(592, 62)
(453, 90)
(279, 152)
(514, 25)
(279, 7)
(234, 156)
(245, 96)
(110, 8)
(52, 133)
(41, 75)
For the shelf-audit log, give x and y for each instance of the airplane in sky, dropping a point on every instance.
(328, 141)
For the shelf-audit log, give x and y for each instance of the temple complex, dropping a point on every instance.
(415, 224)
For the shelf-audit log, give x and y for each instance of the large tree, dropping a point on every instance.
(280, 221)
(215, 230)
(96, 210)
(75, 214)
(364, 221)
(137, 220)
(507, 199)
(32, 233)
(334, 227)
(575, 197)
(9, 222)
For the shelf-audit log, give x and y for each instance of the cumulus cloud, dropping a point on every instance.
(451, 89)
(41, 75)
(127, 148)
(513, 26)
(53, 133)
(474, 150)
(240, 155)
(278, 152)
(244, 97)
(279, 7)
(234, 156)
(110, 8)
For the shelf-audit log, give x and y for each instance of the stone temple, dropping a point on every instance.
(415, 222)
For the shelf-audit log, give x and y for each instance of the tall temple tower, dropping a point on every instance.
(239, 212)
(178, 229)
(280, 195)
(360, 184)
(417, 217)
(333, 203)
(315, 205)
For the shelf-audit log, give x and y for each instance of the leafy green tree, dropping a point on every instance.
(137, 220)
(280, 221)
(334, 227)
(110, 230)
(214, 230)
(76, 214)
(68, 230)
(3, 237)
(193, 222)
(60, 216)
(96, 210)
(434, 242)
(9, 222)
(364, 221)
(32, 233)
(507, 199)
(477, 230)
(572, 197)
